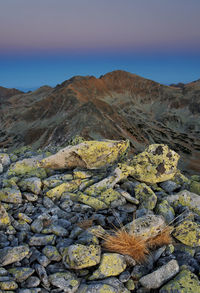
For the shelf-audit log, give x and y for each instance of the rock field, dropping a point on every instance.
(87, 219)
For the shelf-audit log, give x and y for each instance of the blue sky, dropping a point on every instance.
(48, 41)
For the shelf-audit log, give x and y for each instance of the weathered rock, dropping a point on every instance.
(70, 186)
(195, 187)
(79, 256)
(111, 285)
(27, 168)
(4, 217)
(188, 233)
(166, 211)
(169, 186)
(112, 264)
(112, 198)
(108, 182)
(20, 274)
(40, 240)
(31, 282)
(89, 154)
(33, 185)
(1, 168)
(52, 253)
(184, 282)
(187, 199)
(156, 164)
(93, 202)
(42, 275)
(127, 196)
(146, 225)
(8, 285)
(160, 276)
(10, 255)
(4, 159)
(66, 281)
(10, 195)
(146, 196)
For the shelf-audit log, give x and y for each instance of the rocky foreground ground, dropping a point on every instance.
(58, 209)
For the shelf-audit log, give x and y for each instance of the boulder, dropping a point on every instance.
(156, 164)
(88, 154)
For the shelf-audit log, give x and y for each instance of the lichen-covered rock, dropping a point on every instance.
(169, 186)
(112, 264)
(10, 195)
(88, 154)
(66, 281)
(33, 185)
(146, 196)
(8, 285)
(188, 233)
(108, 285)
(70, 186)
(79, 256)
(186, 199)
(166, 211)
(184, 282)
(146, 225)
(112, 198)
(93, 202)
(4, 159)
(157, 278)
(20, 274)
(108, 182)
(52, 253)
(40, 240)
(1, 168)
(156, 164)
(27, 168)
(195, 187)
(4, 218)
(10, 255)
(81, 174)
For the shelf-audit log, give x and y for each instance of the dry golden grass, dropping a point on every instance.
(163, 238)
(124, 243)
(137, 247)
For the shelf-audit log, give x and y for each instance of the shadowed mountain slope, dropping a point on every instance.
(117, 105)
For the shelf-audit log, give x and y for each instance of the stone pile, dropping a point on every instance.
(54, 206)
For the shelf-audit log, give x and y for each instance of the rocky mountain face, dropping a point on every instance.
(118, 105)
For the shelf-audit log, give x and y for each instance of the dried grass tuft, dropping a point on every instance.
(124, 243)
(163, 238)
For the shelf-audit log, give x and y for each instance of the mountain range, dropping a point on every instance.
(117, 105)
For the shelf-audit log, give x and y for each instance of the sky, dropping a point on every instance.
(44, 42)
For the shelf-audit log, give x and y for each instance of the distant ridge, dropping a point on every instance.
(118, 105)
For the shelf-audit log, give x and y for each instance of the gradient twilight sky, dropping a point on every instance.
(49, 41)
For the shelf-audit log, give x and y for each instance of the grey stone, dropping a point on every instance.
(66, 281)
(20, 274)
(10, 195)
(42, 275)
(11, 255)
(157, 278)
(31, 282)
(169, 186)
(41, 240)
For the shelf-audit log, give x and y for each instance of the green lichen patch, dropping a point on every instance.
(195, 187)
(70, 186)
(10, 195)
(4, 218)
(156, 164)
(80, 256)
(184, 282)
(109, 196)
(27, 168)
(88, 154)
(166, 211)
(146, 196)
(93, 202)
(188, 233)
(112, 264)
(20, 274)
